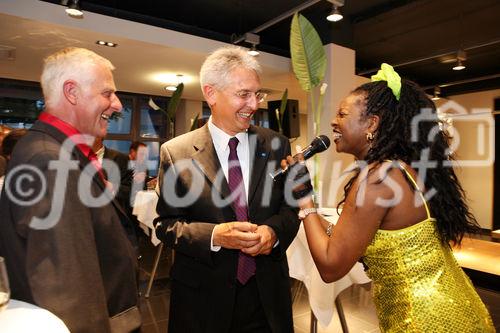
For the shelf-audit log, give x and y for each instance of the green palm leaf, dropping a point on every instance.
(308, 54)
(194, 124)
(173, 104)
(284, 100)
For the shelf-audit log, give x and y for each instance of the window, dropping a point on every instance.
(21, 103)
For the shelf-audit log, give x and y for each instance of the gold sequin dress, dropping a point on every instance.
(418, 285)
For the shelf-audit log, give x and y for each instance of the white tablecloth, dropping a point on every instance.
(321, 295)
(21, 317)
(145, 210)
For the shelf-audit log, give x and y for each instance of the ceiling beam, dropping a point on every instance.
(278, 19)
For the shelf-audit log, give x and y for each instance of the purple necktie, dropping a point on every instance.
(246, 263)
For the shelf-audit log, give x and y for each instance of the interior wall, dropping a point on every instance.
(188, 109)
(475, 134)
(341, 79)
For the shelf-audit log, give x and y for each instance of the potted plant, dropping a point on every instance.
(309, 65)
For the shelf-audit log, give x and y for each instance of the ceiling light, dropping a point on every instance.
(104, 43)
(253, 39)
(335, 15)
(173, 87)
(74, 9)
(461, 56)
(253, 51)
(459, 66)
(437, 93)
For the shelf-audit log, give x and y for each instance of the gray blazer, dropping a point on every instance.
(83, 268)
(203, 282)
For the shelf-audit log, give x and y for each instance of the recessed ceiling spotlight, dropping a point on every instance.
(73, 10)
(104, 43)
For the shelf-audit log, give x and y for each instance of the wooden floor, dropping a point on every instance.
(475, 255)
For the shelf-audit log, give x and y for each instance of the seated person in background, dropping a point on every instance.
(7, 147)
(123, 185)
(139, 158)
(4, 130)
(399, 213)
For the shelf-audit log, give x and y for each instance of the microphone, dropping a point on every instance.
(319, 144)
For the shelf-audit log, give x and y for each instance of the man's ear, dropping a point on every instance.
(209, 93)
(70, 91)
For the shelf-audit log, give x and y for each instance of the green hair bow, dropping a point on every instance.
(387, 73)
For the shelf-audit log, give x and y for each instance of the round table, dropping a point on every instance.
(22, 317)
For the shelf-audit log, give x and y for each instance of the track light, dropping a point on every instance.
(461, 56)
(335, 15)
(437, 93)
(253, 39)
(253, 51)
(74, 9)
(459, 66)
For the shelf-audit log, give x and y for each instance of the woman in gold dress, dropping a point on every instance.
(402, 209)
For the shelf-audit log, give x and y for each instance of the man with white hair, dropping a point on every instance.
(60, 232)
(227, 220)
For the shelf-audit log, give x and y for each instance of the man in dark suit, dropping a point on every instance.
(227, 220)
(60, 231)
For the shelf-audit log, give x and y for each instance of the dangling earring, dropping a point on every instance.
(369, 136)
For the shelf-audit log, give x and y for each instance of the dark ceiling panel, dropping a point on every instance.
(414, 35)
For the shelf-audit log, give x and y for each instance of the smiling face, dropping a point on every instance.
(350, 126)
(96, 98)
(234, 105)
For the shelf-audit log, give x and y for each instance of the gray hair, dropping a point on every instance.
(218, 66)
(69, 63)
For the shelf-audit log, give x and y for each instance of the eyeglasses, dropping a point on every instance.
(246, 95)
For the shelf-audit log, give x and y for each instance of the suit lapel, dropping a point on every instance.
(258, 161)
(206, 158)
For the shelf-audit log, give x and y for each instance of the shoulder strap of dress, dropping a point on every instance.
(410, 177)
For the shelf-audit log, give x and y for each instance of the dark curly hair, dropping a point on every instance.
(393, 141)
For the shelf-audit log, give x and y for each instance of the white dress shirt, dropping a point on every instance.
(100, 154)
(220, 140)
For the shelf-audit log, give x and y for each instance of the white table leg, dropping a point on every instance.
(340, 311)
(314, 324)
(153, 272)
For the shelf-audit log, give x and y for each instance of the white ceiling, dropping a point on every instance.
(34, 29)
